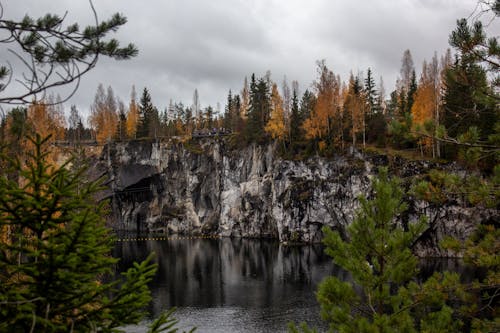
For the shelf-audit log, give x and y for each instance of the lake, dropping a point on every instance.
(241, 285)
(232, 285)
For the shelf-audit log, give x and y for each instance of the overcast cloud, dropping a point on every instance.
(212, 45)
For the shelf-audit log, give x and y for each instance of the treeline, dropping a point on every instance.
(448, 110)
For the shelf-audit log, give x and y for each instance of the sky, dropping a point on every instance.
(212, 45)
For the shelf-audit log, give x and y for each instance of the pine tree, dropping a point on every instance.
(54, 256)
(384, 295)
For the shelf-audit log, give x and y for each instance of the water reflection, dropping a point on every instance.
(243, 272)
(258, 279)
(242, 285)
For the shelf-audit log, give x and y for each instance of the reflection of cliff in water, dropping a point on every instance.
(230, 272)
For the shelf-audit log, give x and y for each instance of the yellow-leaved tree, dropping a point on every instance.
(326, 112)
(104, 116)
(132, 115)
(47, 118)
(427, 103)
(276, 124)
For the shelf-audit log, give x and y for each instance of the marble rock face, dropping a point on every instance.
(251, 192)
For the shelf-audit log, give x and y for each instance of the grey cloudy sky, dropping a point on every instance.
(212, 45)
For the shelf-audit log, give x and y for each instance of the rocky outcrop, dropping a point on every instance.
(205, 188)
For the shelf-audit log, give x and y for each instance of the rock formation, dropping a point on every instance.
(205, 188)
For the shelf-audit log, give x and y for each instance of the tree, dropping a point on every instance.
(148, 117)
(406, 85)
(287, 102)
(295, 119)
(384, 295)
(15, 127)
(370, 93)
(55, 260)
(424, 109)
(381, 103)
(54, 55)
(245, 99)
(406, 72)
(103, 114)
(229, 110)
(259, 109)
(307, 103)
(47, 119)
(132, 115)
(74, 121)
(121, 126)
(470, 103)
(276, 125)
(196, 109)
(473, 45)
(209, 117)
(319, 124)
(356, 105)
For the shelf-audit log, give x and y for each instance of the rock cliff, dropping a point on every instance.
(206, 188)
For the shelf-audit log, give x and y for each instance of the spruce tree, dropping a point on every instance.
(370, 92)
(146, 115)
(412, 89)
(55, 267)
(258, 113)
(295, 120)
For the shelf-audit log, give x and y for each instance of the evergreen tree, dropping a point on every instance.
(384, 295)
(55, 55)
(258, 113)
(471, 109)
(370, 92)
(307, 103)
(146, 115)
(54, 254)
(209, 117)
(468, 102)
(295, 120)
(237, 123)
(410, 95)
(188, 121)
(228, 114)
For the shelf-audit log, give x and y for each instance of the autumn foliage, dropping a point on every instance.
(276, 124)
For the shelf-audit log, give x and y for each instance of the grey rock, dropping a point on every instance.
(168, 188)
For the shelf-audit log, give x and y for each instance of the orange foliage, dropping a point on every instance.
(424, 106)
(319, 123)
(132, 119)
(105, 122)
(276, 124)
(47, 120)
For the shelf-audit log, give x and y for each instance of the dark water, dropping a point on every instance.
(241, 285)
(233, 285)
